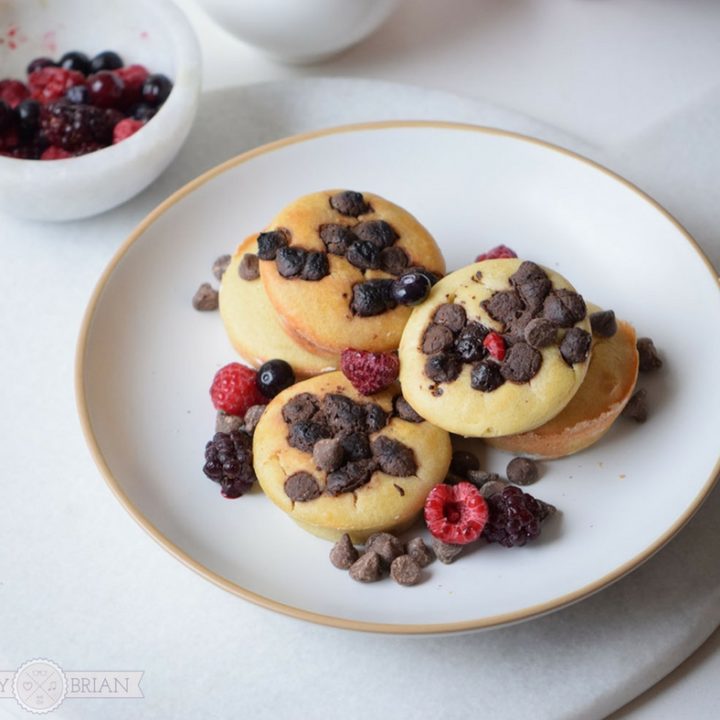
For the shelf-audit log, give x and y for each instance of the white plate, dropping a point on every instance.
(146, 359)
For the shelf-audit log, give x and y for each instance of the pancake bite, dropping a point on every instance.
(340, 462)
(499, 347)
(328, 262)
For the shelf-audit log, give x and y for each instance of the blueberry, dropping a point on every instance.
(107, 60)
(411, 288)
(39, 63)
(155, 89)
(8, 116)
(78, 95)
(142, 111)
(273, 377)
(75, 61)
(28, 112)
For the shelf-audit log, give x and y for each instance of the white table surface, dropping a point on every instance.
(625, 77)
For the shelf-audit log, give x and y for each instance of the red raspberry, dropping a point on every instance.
(495, 345)
(133, 77)
(13, 92)
(234, 390)
(51, 83)
(55, 153)
(499, 251)
(125, 128)
(369, 372)
(456, 514)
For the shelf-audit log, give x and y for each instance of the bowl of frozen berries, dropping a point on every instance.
(94, 105)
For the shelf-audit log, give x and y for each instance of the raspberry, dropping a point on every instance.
(51, 83)
(125, 128)
(234, 390)
(55, 153)
(13, 92)
(514, 517)
(229, 462)
(499, 251)
(369, 372)
(73, 127)
(495, 345)
(133, 77)
(456, 514)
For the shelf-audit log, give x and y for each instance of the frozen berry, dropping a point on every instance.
(234, 389)
(76, 126)
(514, 517)
(107, 60)
(156, 89)
(13, 92)
(142, 111)
(105, 89)
(229, 462)
(274, 376)
(411, 289)
(39, 63)
(9, 140)
(495, 345)
(499, 251)
(125, 128)
(78, 95)
(133, 77)
(455, 514)
(75, 60)
(55, 153)
(8, 118)
(52, 83)
(369, 372)
(28, 113)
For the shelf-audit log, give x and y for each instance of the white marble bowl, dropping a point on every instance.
(155, 34)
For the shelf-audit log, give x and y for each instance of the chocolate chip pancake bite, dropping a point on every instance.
(498, 348)
(342, 268)
(340, 462)
(251, 322)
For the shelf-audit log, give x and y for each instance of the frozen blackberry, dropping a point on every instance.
(76, 126)
(229, 462)
(515, 517)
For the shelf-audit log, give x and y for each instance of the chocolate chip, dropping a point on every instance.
(377, 232)
(522, 363)
(486, 376)
(492, 487)
(356, 446)
(375, 418)
(372, 297)
(443, 367)
(386, 545)
(540, 333)
(393, 457)
(343, 415)
(603, 323)
(302, 487)
(649, 358)
(436, 338)
(226, 423)
(316, 266)
(527, 272)
(349, 203)
(504, 306)
(479, 477)
(522, 471)
(637, 407)
(451, 315)
(337, 238)
(405, 571)
(469, 344)
(301, 407)
(368, 568)
(249, 267)
(205, 298)
(445, 552)
(304, 434)
(463, 462)
(564, 308)
(290, 261)
(252, 417)
(269, 242)
(364, 255)
(393, 260)
(220, 266)
(420, 552)
(534, 292)
(404, 410)
(328, 454)
(350, 477)
(343, 553)
(575, 346)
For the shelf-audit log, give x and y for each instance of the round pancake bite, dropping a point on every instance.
(604, 392)
(339, 462)
(498, 348)
(251, 322)
(328, 261)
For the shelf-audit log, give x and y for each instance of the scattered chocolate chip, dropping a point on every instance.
(522, 363)
(249, 267)
(649, 358)
(393, 260)
(299, 408)
(367, 568)
(304, 434)
(372, 297)
(343, 415)
(486, 376)
(386, 545)
(290, 261)
(328, 454)
(479, 477)
(451, 315)
(540, 332)
(463, 462)
(377, 232)
(356, 446)
(469, 344)
(205, 298)
(492, 487)
(575, 346)
(349, 203)
(400, 489)
(564, 308)
(363, 255)
(445, 552)
(270, 242)
(603, 323)
(504, 306)
(405, 571)
(302, 487)
(220, 266)
(375, 418)
(637, 407)
(404, 410)
(316, 266)
(443, 367)
(226, 423)
(436, 338)
(420, 552)
(350, 477)
(393, 457)
(343, 553)
(252, 417)
(522, 471)
(337, 238)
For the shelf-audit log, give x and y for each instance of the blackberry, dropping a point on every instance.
(515, 517)
(229, 462)
(74, 126)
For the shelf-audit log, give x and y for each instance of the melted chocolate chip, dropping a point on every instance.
(451, 315)
(378, 232)
(249, 267)
(328, 454)
(564, 308)
(302, 487)
(649, 358)
(301, 407)
(316, 266)
(575, 346)
(337, 238)
(343, 415)
(304, 434)
(443, 367)
(436, 338)
(504, 306)
(375, 418)
(372, 297)
(469, 344)
(603, 323)
(522, 363)
(393, 260)
(486, 376)
(364, 255)
(540, 333)
(404, 410)
(270, 242)
(350, 477)
(356, 446)
(290, 261)
(393, 457)
(349, 203)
